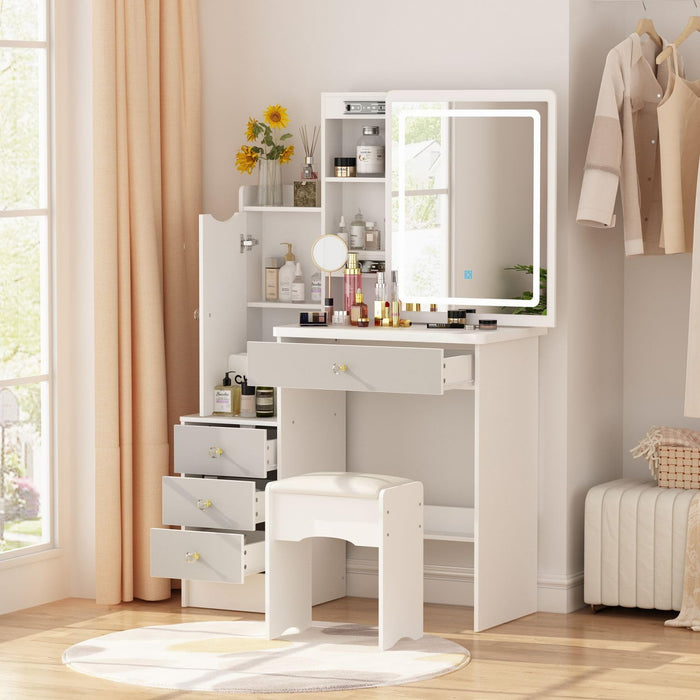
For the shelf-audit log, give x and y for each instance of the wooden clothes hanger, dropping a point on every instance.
(692, 26)
(646, 26)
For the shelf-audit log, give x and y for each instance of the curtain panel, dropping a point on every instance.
(147, 197)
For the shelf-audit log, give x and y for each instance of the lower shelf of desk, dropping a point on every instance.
(448, 523)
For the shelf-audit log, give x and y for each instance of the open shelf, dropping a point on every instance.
(356, 180)
(283, 210)
(448, 523)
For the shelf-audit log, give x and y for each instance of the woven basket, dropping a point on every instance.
(679, 467)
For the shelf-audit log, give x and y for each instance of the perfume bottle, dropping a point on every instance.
(352, 281)
(379, 298)
(358, 311)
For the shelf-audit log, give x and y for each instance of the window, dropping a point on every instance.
(26, 507)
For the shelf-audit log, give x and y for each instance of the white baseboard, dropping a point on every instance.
(453, 585)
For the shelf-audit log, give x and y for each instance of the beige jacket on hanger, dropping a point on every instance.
(623, 148)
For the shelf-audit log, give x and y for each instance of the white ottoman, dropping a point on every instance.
(369, 510)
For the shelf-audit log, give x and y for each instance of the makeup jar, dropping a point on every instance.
(344, 167)
(486, 324)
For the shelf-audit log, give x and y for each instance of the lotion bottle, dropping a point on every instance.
(287, 274)
(227, 398)
(298, 289)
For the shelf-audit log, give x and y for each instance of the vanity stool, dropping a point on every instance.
(369, 510)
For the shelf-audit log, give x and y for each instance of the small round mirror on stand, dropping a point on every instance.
(329, 253)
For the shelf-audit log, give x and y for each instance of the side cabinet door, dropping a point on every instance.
(222, 301)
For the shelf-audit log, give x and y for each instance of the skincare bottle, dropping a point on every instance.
(264, 401)
(357, 232)
(298, 290)
(358, 310)
(352, 281)
(272, 279)
(342, 231)
(227, 398)
(247, 400)
(316, 288)
(370, 152)
(287, 274)
(328, 309)
(371, 236)
(379, 298)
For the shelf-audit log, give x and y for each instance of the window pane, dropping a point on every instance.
(22, 125)
(23, 20)
(24, 474)
(23, 245)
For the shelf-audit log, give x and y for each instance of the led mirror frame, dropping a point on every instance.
(546, 97)
(321, 243)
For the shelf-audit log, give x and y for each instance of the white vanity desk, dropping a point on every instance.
(321, 370)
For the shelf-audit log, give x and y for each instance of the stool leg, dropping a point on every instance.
(287, 586)
(401, 564)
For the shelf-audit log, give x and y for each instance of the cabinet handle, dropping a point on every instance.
(337, 369)
(191, 557)
(203, 503)
(215, 452)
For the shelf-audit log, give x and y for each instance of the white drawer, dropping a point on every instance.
(212, 503)
(399, 370)
(206, 556)
(224, 451)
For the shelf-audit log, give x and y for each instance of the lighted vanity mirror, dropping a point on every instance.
(473, 200)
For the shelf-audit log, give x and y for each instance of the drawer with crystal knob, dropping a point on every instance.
(214, 503)
(224, 451)
(391, 369)
(206, 556)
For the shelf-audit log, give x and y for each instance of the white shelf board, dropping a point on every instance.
(229, 420)
(305, 306)
(348, 180)
(283, 210)
(448, 523)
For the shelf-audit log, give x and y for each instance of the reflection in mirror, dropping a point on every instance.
(473, 201)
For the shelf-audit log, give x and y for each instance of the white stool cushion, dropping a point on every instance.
(347, 484)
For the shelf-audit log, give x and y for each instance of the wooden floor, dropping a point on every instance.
(614, 654)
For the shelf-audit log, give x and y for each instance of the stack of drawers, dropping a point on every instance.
(218, 502)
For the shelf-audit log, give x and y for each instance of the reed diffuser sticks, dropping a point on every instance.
(309, 149)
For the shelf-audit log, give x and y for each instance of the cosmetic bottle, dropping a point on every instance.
(395, 288)
(371, 236)
(247, 400)
(352, 281)
(342, 231)
(298, 288)
(264, 401)
(316, 287)
(328, 309)
(357, 232)
(379, 299)
(227, 398)
(286, 274)
(358, 311)
(272, 279)
(370, 152)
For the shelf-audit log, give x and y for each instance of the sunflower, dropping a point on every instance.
(246, 159)
(251, 131)
(287, 154)
(276, 116)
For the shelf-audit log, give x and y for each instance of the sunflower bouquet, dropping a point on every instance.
(261, 133)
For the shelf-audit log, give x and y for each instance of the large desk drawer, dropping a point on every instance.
(224, 451)
(206, 556)
(399, 370)
(212, 503)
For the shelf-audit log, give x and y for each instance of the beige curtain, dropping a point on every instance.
(147, 197)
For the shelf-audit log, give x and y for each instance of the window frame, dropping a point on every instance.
(48, 289)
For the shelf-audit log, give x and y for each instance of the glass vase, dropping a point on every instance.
(269, 183)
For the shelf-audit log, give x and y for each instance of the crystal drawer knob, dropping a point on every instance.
(215, 452)
(338, 369)
(191, 557)
(203, 503)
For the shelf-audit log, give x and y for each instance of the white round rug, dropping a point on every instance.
(236, 657)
